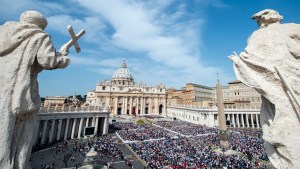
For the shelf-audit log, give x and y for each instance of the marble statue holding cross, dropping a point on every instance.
(25, 50)
(271, 64)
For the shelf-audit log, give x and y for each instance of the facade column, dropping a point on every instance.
(116, 106)
(233, 120)
(156, 105)
(80, 128)
(247, 120)
(137, 105)
(142, 105)
(150, 106)
(67, 130)
(130, 106)
(243, 124)
(73, 128)
(96, 126)
(126, 103)
(252, 122)
(107, 101)
(51, 131)
(105, 127)
(165, 106)
(44, 132)
(257, 120)
(123, 106)
(59, 129)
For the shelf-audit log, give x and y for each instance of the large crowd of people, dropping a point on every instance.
(186, 128)
(248, 142)
(194, 145)
(131, 126)
(148, 133)
(176, 145)
(183, 153)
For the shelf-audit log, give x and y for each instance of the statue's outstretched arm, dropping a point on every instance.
(48, 58)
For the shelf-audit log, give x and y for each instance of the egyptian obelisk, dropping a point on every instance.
(222, 122)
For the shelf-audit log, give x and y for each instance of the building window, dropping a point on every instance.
(103, 87)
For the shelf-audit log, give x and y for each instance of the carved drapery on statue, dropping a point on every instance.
(25, 50)
(275, 44)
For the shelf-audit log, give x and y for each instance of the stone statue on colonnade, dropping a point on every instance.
(25, 50)
(271, 64)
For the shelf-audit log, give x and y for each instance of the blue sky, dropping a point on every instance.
(163, 41)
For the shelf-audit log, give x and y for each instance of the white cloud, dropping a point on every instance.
(170, 39)
(13, 8)
(89, 61)
(92, 25)
(163, 45)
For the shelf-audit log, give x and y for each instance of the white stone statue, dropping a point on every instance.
(275, 45)
(25, 50)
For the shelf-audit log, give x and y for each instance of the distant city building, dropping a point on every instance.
(51, 101)
(124, 96)
(243, 95)
(194, 94)
(55, 100)
(174, 96)
(236, 94)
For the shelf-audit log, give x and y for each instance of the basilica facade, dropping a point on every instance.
(124, 96)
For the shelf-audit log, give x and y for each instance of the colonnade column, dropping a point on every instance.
(51, 131)
(93, 121)
(233, 120)
(96, 126)
(237, 120)
(257, 121)
(105, 127)
(59, 129)
(73, 128)
(243, 124)
(87, 122)
(36, 134)
(130, 106)
(116, 106)
(44, 132)
(247, 120)
(252, 122)
(66, 129)
(80, 128)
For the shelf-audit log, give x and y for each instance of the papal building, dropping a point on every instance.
(125, 96)
(236, 94)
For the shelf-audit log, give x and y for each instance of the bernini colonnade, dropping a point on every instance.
(235, 117)
(61, 125)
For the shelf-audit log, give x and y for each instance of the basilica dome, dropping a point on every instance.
(122, 72)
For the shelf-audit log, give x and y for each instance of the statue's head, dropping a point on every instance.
(34, 17)
(267, 17)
